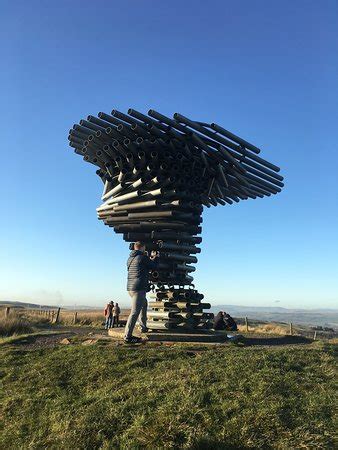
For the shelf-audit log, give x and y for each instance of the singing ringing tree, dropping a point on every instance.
(158, 174)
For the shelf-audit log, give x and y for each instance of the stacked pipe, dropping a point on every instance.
(158, 174)
(173, 308)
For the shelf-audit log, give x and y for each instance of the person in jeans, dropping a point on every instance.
(108, 313)
(138, 265)
(116, 315)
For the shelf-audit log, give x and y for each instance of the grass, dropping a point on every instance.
(269, 328)
(20, 322)
(14, 325)
(115, 397)
(93, 318)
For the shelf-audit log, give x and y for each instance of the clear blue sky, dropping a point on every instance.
(266, 70)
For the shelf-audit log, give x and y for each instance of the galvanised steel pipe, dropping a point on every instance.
(160, 325)
(180, 257)
(92, 126)
(234, 138)
(159, 214)
(137, 205)
(221, 140)
(141, 130)
(127, 131)
(145, 119)
(187, 248)
(203, 315)
(109, 118)
(163, 235)
(185, 268)
(123, 197)
(82, 129)
(99, 122)
(78, 135)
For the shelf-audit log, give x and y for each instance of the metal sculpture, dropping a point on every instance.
(158, 173)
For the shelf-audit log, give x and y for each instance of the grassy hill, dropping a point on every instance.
(14, 304)
(109, 396)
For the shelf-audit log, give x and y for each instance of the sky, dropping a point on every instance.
(266, 70)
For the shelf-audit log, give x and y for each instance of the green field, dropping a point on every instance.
(107, 396)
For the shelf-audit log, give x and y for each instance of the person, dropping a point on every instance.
(139, 264)
(219, 323)
(116, 315)
(230, 323)
(108, 313)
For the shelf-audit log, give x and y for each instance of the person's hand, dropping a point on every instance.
(153, 254)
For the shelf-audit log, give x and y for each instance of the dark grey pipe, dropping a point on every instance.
(234, 138)
(222, 140)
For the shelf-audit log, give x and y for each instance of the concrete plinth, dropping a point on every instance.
(174, 336)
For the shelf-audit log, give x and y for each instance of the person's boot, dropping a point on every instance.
(132, 340)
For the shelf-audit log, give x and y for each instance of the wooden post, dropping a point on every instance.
(315, 335)
(75, 316)
(53, 314)
(57, 315)
(291, 329)
(49, 314)
(7, 309)
(246, 325)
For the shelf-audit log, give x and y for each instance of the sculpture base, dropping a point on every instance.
(177, 335)
(178, 309)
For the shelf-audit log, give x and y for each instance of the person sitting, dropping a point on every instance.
(108, 313)
(116, 315)
(219, 323)
(230, 323)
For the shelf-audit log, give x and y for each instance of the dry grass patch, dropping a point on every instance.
(269, 328)
(14, 325)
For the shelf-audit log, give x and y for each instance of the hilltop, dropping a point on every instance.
(318, 316)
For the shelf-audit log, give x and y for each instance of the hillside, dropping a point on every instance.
(322, 317)
(15, 304)
(108, 396)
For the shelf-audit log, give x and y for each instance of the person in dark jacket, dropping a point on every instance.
(230, 323)
(219, 323)
(138, 265)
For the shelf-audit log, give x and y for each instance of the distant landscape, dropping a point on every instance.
(313, 317)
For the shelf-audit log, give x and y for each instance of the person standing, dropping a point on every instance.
(108, 313)
(116, 315)
(139, 264)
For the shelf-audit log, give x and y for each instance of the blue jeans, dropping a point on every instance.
(109, 320)
(138, 311)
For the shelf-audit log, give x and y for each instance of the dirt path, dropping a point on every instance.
(51, 337)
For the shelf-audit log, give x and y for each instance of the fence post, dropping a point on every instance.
(49, 314)
(315, 335)
(57, 315)
(75, 317)
(291, 329)
(246, 325)
(7, 309)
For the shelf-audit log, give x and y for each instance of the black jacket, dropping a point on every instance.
(138, 266)
(219, 323)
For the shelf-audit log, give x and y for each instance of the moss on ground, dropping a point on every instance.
(103, 396)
